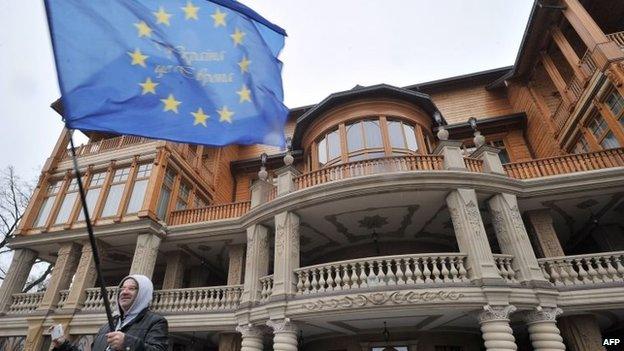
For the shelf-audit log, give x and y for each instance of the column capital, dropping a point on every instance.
(542, 314)
(282, 326)
(249, 331)
(496, 313)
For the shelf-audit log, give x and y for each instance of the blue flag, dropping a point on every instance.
(194, 71)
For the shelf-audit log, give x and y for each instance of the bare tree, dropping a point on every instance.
(14, 196)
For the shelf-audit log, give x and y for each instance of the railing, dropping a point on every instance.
(588, 64)
(617, 37)
(105, 145)
(25, 303)
(63, 294)
(504, 266)
(473, 164)
(272, 194)
(214, 298)
(382, 271)
(561, 115)
(566, 164)
(210, 213)
(584, 269)
(94, 300)
(368, 167)
(266, 287)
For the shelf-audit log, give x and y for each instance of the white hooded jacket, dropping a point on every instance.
(142, 301)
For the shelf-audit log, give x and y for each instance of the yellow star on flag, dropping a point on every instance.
(245, 94)
(171, 104)
(138, 58)
(162, 16)
(200, 117)
(144, 29)
(190, 11)
(219, 18)
(244, 64)
(225, 115)
(148, 86)
(237, 37)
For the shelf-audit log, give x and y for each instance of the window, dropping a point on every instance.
(183, 195)
(138, 191)
(48, 202)
(93, 193)
(503, 155)
(616, 104)
(367, 139)
(199, 201)
(329, 148)
(68, 203)
(115, 192)
(165, 194)
(604, 136)
(581, 146)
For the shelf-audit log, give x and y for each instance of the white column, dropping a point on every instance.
(260, 190)
(453, 157)
(545, 335)
(285, 176)
(251, 337)
(145, 254)
(495, 329)
(16, 277)
(471, 237)
(236, 254)
(491, 162)
(64, 269)
(256, 263)
(286, 258)
(513, 238)
(284, 335)
(174, 272)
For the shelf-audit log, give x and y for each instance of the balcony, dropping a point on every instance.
(582, 271)
(105, 145)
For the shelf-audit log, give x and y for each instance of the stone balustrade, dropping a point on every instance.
(94, 300)
(25, 303)
(205, 299)
(504, 266)
(582, 270)
(382, 271)
(63, 294)
(266, 287)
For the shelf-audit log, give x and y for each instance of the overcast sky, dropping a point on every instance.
(332, 46)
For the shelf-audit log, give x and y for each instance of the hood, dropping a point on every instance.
(143, 298)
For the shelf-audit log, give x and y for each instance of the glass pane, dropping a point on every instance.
(396, 135)
(92, 197)
(411, 137)
(136, 199)
(121, 175)
(169, 177)
(333, 145)
(184, 192)
(53, 188)
(322, 151)
(180, 205)
(354, 137)
(610, 142)
(98, 179)
(113, 200)
(44, 212)
(66, 208)
(144, 170)
(163, 202)
(503, 156)
(615, 103)
(373, 134)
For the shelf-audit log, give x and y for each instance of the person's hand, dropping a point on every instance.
(56, 342)
(115, 340)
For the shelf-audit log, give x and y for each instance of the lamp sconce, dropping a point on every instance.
(442, 134)
(478, 139)
(288, 158)
(262, 173)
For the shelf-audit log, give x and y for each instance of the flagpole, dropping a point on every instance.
(96, 255)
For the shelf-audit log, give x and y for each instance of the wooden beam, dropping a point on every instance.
(555, 77)
(568, 52)
(612, 122)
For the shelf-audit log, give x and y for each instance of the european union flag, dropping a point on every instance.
(194, 71)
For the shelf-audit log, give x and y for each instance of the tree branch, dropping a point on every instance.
(39, 280)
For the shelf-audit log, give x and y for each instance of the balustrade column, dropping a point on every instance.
(284, 335)
(145, 254)
(471, 237)
(236, 255)
(83, 279)
(513, 238)
(174, 272)
(251, 338)
(491, 161)
(453, 157)
(16, 276)
(285, 176)
(256, 263)
(64, 269)
(542, 325)
(286, 258)
(260, 191)
(495, 329)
